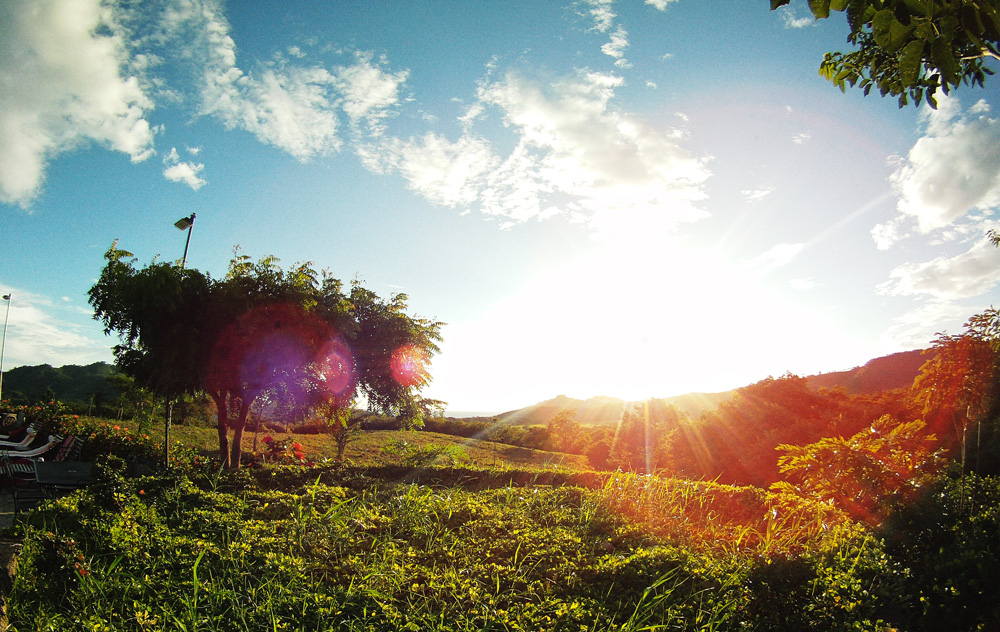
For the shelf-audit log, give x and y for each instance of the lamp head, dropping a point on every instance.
(184, 223)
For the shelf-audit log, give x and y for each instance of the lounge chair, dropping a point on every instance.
(24, 441)
(52, 442)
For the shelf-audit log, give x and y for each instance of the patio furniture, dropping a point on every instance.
(52, 442)
(24, 489)
(63, 475)
(20, 443)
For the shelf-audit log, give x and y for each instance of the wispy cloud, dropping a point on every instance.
(775, 257)
(792, 20)
(916, 327)
(573, 154)
(601, 12)
(660, 4)
(42, 330)
(963, 276)
(615, 48)
(64, 81)
(756, 195)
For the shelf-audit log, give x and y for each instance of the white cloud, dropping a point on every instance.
(369, 92)
(573, 154)
(660, 4)
(186, 172)
(802, 138)
(966, 275)
(774, 257)
(292, 106)
(601, 12)
(40, 331)
(916, 328)
(792, 21)
(755, 195)
(179, 171)
(445, 173)
(64, 82)
(953, 169)
(616, 47)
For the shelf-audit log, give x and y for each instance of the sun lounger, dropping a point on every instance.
(24, 441)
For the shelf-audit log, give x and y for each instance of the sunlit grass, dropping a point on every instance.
(367, 447)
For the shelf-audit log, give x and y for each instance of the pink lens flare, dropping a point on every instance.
(408, 365)
(335, 366)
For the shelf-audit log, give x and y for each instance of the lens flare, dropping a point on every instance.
(408, 365)
(336, 368)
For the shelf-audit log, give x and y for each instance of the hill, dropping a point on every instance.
(890, 372)
(70, 383)
(897, 370)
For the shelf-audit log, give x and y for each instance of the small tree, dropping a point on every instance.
(258, 329)
(866, 475)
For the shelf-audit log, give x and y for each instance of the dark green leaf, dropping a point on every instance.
(910, 61)
(881, 23)
(944, 60)
(820, 8)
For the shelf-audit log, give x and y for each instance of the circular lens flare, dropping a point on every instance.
(336, 368)
(408, 365)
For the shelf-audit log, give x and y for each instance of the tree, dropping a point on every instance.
(910, 49)
(956, 384)
(874, 471)
(261, 329)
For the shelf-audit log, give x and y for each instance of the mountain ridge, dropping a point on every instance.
(896, 370)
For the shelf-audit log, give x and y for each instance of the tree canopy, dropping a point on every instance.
(262, 329)
(910, 49)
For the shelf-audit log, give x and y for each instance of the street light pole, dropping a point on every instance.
(185, 223)
(3, 341)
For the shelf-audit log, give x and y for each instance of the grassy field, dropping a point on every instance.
(430, 532)
(378, 447)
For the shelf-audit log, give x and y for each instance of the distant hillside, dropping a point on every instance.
(881, 374)
(596, 410)
(70, 383)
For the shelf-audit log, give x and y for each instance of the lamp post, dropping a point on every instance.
(3, 341)
(185, 223)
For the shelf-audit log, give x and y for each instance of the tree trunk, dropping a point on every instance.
(166, 432)
(238, 426)
(222, 413)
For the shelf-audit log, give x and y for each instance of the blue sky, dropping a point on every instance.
(633, 199)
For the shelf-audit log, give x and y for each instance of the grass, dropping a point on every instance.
(368, 448)
(179, 552)
(432, 532)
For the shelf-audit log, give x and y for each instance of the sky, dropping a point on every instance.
(598, 197)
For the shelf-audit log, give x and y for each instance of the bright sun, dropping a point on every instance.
(635, 323)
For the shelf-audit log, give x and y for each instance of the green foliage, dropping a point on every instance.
(872, 473)
(405, 453)
(293, 335)
(910, 49)
(323, 556)
(945, 547)
(71, 384)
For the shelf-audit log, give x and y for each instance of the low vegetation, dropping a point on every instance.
(435, 532)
